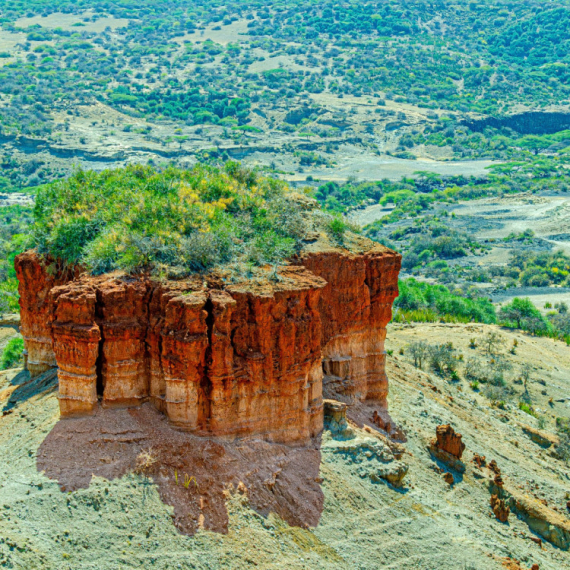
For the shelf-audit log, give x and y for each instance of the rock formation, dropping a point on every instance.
(356, 306)
(449, 441)
(448, 447)
(528, 122)
(500, 509)
(229, 360)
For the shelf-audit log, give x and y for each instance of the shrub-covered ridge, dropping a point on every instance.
(175, 221)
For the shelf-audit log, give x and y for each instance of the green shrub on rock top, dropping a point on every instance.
(176, 221)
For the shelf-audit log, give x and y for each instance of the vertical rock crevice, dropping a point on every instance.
(99, 362)
(205, 389)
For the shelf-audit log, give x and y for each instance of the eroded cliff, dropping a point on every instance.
(229, 360)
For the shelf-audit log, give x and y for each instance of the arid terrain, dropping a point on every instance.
(87, 505)
(214, 143)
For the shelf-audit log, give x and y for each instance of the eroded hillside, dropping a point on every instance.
(103, 511)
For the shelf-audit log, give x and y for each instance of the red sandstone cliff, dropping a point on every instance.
(230, 361)
(356, 306)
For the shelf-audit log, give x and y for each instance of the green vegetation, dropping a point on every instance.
(424, 302)
(12, 354)
(490, 372)
(157, 62)
(522, 314)
(175, 221)
(540, 269)
(14, 224)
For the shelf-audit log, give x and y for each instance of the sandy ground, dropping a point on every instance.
(69, 498)
(358, 163)
(235, 32)
(548, 216)
(67, 21)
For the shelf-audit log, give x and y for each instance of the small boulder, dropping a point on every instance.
(449, 441)
(500, 509)
(448, 478)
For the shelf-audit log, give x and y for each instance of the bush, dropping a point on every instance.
(424, 302)
(419, 351)
(527, 409)
(12, 354)
(442, 358)
(522, 314)
(175, 221)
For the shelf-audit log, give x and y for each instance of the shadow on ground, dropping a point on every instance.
(26, 388)
(193, 474)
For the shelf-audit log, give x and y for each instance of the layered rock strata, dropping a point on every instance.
(228, 360)
(356, 306)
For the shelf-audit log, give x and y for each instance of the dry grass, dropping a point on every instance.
(145, 462)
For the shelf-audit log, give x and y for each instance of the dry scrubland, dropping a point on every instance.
(54, 515)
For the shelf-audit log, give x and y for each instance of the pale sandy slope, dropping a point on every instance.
(123, 523)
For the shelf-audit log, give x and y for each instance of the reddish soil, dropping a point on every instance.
(193, 474)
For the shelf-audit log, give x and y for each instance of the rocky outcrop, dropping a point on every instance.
(36, 280)
(449, 441)
(542, 438)
(500, 509)
(229, 360)
(356, 306)
(549, 524)
(529, 122)
(448, 447)
(335, 417)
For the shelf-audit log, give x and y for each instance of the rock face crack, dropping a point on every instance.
(234, 361)
(99, 363)
(206, 381)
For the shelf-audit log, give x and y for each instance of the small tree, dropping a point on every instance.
(492, 342)
(442, 359)
(419, 351)
(525, 376)
(522, 314)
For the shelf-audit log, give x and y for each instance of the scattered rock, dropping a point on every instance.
(448, 478)
(494, 467)
(550, 525)
(372, 457)
(537, 540)
(388, 426)
(500, 509)
(479, 460)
